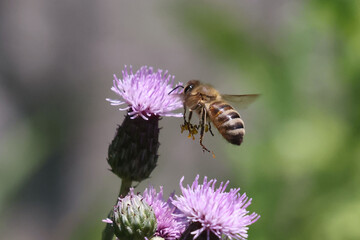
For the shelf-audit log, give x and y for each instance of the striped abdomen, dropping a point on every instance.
(227, 121)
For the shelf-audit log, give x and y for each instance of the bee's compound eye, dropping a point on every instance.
(189, 87)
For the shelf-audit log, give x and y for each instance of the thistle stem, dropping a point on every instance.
(108, 232)
(125, 187)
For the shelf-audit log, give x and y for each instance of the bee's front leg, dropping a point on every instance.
(190, 115)
(184, 115)
(184, 126)
(188, 126)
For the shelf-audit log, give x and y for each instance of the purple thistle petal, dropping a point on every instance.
(107, 220)
(218, 212)
(168, 226)
(146, 93)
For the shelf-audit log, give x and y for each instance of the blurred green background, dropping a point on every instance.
(300, 161)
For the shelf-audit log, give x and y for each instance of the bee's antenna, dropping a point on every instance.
(176, 88)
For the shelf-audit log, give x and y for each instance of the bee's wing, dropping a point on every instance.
(241, 101)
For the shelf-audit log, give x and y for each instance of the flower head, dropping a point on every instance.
(215, 211)
(146, 93)
(150, 209)
(133, 218)
(168, 226)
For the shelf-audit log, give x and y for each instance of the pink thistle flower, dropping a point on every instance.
(214, 211)
(147, 93)
(169, 227)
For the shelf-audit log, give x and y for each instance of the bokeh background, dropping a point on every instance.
(300, 161)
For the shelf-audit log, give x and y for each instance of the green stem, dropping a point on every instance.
(108, 232)
(125, 187)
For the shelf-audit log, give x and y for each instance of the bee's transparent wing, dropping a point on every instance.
(240, 101)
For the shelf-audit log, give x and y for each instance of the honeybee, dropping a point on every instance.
(212, 107)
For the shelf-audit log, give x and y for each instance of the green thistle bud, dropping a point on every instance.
(133, 219)
(157, 238)
(133, 152)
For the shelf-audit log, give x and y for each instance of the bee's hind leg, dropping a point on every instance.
(212, 134)
(202, 128)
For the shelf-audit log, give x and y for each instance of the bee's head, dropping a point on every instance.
(190, 85)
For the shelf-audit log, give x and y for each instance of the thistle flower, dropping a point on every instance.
(133, 218)
(168, 226)
(132, 154)
(214, 213)
(135, 208)
(146, 93)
